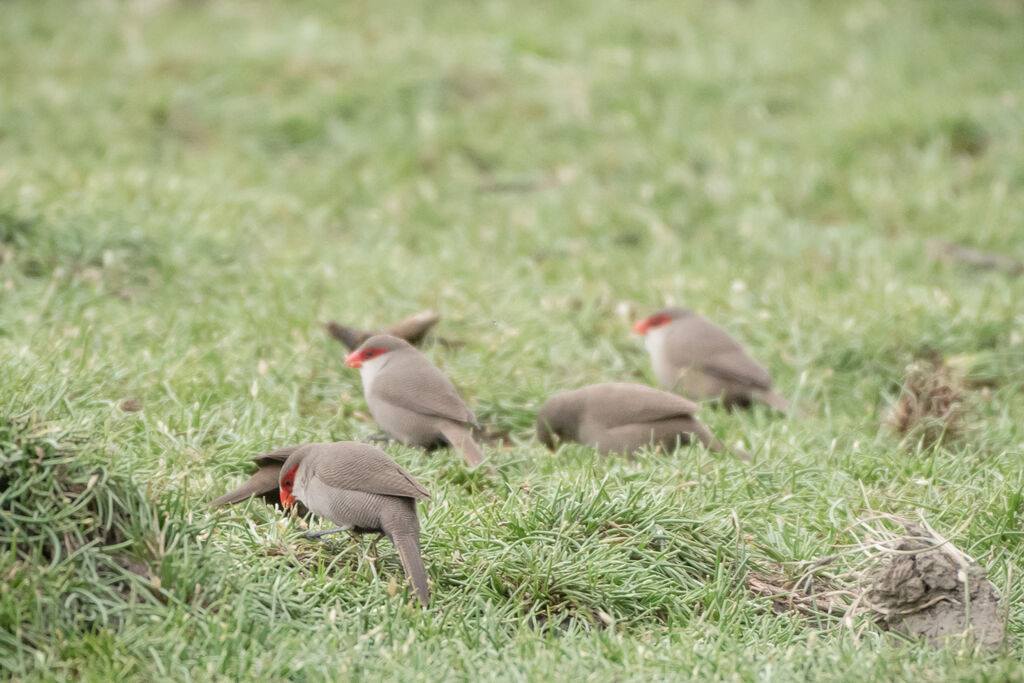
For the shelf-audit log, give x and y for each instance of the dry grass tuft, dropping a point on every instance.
(931, 406)
(808, 594)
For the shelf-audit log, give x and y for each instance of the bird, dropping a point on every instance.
(411, 399)
(695, 357)
(412, 329)
(621, 417)
(263, 482)
(361, 489)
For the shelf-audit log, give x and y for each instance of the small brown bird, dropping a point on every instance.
(695, 357)
(412, 329)
(263, 482)
(361, 489)
(412, 399)
(617, 417)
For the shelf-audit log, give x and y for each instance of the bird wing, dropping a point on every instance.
(413, 383)
(698, 343)
(619, 403)
(740, 368)
(352, 466)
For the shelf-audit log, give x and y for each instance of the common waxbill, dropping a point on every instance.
(413, 400)
(263, 482)
(618, 417)
(697, 358)
(412, 329)
(361, 489)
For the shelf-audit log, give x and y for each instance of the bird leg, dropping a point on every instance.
(373, 546)
(371, 558)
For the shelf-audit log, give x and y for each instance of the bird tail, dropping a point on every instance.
(775, 401)
(459, 437)
(714, 444)
(407, 543)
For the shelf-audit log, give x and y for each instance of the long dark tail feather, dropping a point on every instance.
(408, 547)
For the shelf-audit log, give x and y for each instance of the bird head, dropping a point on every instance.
(287, 483)
(558, 420)
(375, 347)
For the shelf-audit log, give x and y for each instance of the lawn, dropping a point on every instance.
(188, 189)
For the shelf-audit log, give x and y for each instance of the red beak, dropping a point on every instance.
(354, 360)
(641, 326)
(287, 499)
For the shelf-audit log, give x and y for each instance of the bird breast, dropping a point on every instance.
(371, 369)
(656, 342)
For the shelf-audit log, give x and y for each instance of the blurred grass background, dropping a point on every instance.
(188, 188)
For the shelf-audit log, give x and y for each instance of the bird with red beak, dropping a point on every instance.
(411, 399)
(362, 490)
(693, 356)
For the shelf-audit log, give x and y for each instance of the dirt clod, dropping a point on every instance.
(130, 405)
(920, 591)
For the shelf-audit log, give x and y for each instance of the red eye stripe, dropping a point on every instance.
(357, 357)
(655, 321)
(287, 484)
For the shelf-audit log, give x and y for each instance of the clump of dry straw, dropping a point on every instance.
(931, 405)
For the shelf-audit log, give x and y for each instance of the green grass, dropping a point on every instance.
(188, 188)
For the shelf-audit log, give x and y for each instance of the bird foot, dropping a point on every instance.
(373, 548)
(371, 557)
(371, 560)
(379, 436)
(324, 532)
